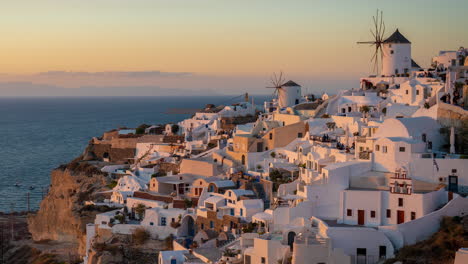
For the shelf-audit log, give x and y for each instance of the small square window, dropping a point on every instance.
(391, 52)
(407, 92)
(384, 149)
(389, 213)
(413, 215)
(400, 202)
(372, 214)
(402, 149)
(349, 212)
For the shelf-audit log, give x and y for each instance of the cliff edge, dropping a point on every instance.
(62, 216)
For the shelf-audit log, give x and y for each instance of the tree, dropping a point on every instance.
(140, 210)
(275, 175)
(188, 203)
(120, 218)
(365, 109)
(273, 154)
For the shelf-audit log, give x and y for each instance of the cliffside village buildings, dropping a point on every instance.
(346, 178)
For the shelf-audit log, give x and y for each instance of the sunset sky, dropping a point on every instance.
(223, 46)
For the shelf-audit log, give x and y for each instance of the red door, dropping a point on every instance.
(400, 217)
(360, 217)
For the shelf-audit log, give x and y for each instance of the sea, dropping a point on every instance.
(39, 134)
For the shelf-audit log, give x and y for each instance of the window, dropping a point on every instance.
(263, 260)
(173, 220)
(202, 226)
(271, 136)
(407, 92)
(402, 149)
(377, 147)
(151, 223)
(413, 215)
(400, 202)
(384, 149)
(417, 92)
(173, 261)
(241, 212)
(382, 252)
(372, 214)
(389, 213)
(232, 211)
(349, 212)
(163, 221)
(424, 137)
(391, 52)
(211, 224)
(299, 135)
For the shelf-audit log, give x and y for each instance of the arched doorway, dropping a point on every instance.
(187, 228)
(291, 237)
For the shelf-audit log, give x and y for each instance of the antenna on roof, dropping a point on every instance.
(377, 32)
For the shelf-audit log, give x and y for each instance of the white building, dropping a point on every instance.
(397, 55)
(289, 94)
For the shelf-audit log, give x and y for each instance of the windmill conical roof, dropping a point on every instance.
(290, 83)
(397, 37)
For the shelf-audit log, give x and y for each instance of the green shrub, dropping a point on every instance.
(112, 184)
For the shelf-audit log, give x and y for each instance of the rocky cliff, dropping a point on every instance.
(62, 216)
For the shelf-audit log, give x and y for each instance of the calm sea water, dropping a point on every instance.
(39, 134)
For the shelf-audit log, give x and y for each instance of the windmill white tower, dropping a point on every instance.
(396, 55)
(289, 93)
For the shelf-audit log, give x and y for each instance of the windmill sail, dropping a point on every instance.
(378, 32)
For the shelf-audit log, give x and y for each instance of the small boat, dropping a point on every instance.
(17, 184)
(31, 187)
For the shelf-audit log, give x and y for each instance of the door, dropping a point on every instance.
(291, 237)
(361, 256)
(361, 217)
(259, 146)
(401, 217)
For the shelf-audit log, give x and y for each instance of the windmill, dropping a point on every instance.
(377, 32)
(276, 81)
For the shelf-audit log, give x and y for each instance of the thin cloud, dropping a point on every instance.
(115, 74)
